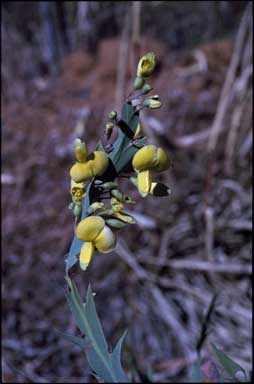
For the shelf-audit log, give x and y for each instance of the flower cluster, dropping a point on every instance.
(99, 205)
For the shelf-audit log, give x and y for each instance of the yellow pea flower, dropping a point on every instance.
(77, 191)
(151, 158)
(146, 65)
(147, 159)
(95, 165)
(97, 235)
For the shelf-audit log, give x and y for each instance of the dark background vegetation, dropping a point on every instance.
(65, 65)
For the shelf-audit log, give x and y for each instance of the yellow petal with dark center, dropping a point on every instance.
(144, 182)
(106, 241)
(89, 228)
(86, 253)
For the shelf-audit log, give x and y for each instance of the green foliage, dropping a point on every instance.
(229, 365)
(105, 365)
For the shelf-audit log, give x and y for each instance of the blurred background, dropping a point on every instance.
(65, 66)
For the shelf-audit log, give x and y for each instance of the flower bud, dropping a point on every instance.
(152, 103)
(112, 115)
(146, 89)
(95, 207)
(115, 223)
(109, 128)
(138, 83)
(117, 194)
(146, 65)
(138, 131)
(109, 185)
(80, 150)
(71, 205)
(125, 218)
(77, 209)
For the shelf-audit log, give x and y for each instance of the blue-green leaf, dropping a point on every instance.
(116, 359)
(196, 371)
(229, 365)
(82, 343)
(105, 365)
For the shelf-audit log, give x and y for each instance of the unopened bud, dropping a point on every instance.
(71, 205)
(95, 207)
(152, 103)
(109, 128)
(114, 223)
(109, 185)
(138, 131)
(138, 83)
(146, 65)
(77, 209)
(117, 194)
(146, 89)
(80, 150)
(112, 115)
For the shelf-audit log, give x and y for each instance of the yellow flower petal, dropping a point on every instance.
(116, 205)
(144, 182)
(81, 172)
(163, 162)
(106, 241)
(95, 165)
(89, 228)
(144, 158)
(81, 152)
(98, 162)
(86, 253)
(146, 65)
